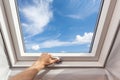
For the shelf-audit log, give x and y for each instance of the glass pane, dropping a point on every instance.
(58, 26)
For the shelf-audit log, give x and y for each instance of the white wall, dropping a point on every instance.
(113, 63)
(4, 67)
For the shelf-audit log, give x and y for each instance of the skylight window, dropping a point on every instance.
(58, 26)
(81, 32)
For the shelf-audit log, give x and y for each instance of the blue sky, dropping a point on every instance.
(58, 25)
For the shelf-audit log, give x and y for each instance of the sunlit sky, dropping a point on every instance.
(58, 25)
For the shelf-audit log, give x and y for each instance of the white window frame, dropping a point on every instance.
(104, 37)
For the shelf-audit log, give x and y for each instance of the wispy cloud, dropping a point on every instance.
(85, 39)
(37, 16)
(81, 9)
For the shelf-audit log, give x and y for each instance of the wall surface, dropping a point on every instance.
(4, 67)
(69, 74)
(113, 63)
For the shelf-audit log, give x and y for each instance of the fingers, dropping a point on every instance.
(47, 54)
(53, 61)
(48, 59)
(50, 55)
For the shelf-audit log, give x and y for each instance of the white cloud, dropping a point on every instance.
(85, 39)
(54, 43)
(35, 47)
(38, 15)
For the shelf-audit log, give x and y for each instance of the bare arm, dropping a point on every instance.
(30, 73)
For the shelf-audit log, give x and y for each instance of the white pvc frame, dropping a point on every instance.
(103, 39)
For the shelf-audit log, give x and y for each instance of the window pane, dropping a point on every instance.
(58, 25)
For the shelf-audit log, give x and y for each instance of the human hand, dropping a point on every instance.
(44, 60)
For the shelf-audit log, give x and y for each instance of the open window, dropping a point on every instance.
(77, 31)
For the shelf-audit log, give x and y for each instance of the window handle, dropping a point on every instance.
(59, 60)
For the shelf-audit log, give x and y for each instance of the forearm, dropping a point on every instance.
(30, 73)
(27, 74)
